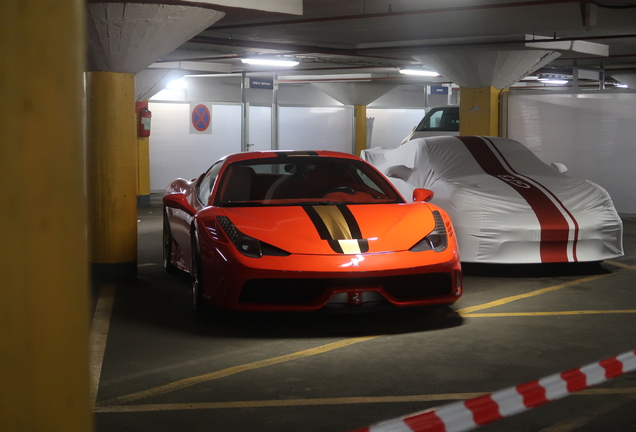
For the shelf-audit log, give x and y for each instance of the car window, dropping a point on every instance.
(297, 181)
(440, 119)
(207, 183)
(367, 180)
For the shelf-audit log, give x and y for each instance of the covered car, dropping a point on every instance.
(285, 230)
(507, 205)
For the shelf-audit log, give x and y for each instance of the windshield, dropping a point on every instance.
(303, 180)
(440, 119)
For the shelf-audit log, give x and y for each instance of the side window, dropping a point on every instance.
(453, 120)
(205, 187)
(435, 120)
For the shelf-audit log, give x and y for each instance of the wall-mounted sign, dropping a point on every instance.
(261, 83)
(200, 118)
(438, 90)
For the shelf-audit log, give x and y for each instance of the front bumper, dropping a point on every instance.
(311, 282)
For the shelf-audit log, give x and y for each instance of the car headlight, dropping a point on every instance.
(248, 246)
(437, 240)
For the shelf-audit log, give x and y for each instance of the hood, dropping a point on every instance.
(336, 229)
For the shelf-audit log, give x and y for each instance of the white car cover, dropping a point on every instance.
(507, 206)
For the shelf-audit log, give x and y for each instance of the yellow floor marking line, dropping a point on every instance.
(510, 299)
(99, 334)
(310, 352)
(621, 265)
(523, 314)
(328, 401)
(233, 370)
(288, 402)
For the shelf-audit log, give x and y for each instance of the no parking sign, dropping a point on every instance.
(200, 118)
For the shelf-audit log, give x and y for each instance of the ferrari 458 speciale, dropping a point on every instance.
(300, 231)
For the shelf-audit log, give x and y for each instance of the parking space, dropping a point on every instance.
(165, 369)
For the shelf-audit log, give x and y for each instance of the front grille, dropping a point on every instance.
(414, 287)
(281, 291)
(302, 291)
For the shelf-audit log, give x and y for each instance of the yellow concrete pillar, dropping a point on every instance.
(479, 111)
(143, 178)
(44, 293)
(360, 114)
(143, 158)
(112, 175)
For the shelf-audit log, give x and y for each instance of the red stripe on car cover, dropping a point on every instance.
(554, 197)
(554, 227)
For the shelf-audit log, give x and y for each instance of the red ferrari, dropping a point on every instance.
(300, 231)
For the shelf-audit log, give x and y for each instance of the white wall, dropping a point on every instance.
(318, 128)
(174, 152)
(260, 128)
(388, 127)
(592, 133)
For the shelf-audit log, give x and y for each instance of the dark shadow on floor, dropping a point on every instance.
(166, 302)
(534, 270)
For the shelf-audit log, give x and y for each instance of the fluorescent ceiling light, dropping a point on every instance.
(177, 84)
(553, 81)
(269, 62)
(420, 72)
(620, 85)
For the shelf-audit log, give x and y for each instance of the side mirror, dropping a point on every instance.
(178, 201)
(422, 195)
(559, 167)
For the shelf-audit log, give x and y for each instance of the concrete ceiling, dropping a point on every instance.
(379, 37)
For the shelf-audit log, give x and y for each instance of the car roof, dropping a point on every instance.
(286, 153)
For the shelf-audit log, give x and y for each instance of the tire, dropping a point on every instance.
(167, 244)
(198, 303)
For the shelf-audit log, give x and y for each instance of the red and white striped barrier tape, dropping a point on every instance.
(471, 413)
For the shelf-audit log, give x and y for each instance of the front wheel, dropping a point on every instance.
(195, 273)
(167, 243)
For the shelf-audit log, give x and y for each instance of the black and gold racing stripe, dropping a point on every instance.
(339, 227)
(296, 153)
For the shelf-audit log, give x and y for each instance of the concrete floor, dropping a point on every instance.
(165, 369)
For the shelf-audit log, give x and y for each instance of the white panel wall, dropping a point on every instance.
(260, 130)
(388, 127)
(320, 128)
(304, 95)
(592, 133)
(174, 152)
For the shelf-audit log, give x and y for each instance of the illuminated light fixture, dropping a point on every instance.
(419, 72)
(177, 84)
(619, 85)
(553, 81)
(269, 62)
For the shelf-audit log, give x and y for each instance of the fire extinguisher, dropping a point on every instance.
(144, 122)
